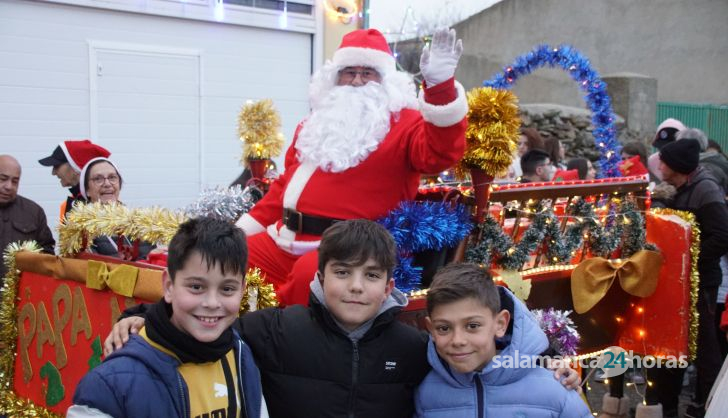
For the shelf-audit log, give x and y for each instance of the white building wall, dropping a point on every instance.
(46, 77)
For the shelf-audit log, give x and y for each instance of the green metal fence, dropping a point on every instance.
(712, 119)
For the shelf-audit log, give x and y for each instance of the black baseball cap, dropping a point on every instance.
(56, 158)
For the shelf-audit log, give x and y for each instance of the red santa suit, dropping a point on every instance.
(426, 141)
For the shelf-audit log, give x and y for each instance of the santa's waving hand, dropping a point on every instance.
(358, 154)
(440, 58)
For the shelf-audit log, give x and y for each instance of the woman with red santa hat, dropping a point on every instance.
(100, 182)
(67, 160)
(358, 154)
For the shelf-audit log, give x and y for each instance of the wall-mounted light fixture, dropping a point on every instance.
(341, 10)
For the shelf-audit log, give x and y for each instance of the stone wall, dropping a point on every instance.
(572, 126)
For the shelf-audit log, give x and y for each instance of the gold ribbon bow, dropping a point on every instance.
(592, 279)
(121, 279)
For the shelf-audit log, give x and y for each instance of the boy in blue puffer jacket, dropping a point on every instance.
(187, 361)
(470, 376)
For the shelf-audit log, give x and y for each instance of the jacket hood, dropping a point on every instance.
(715, 157)
(527, 340)
(394, 303)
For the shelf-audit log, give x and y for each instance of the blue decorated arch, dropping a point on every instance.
(596, 97)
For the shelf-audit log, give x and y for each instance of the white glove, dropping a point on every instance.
(440, 58)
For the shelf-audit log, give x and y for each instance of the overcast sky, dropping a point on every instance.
(394, 16)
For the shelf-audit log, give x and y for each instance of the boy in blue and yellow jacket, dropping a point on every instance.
(187, 361)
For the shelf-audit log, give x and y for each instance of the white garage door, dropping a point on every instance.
(145, 106)
(161, 93)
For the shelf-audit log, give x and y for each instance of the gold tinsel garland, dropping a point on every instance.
(258, 128)
(262, 293)
(492, 134)
(154, 225)
(11, 404)
(694, 274)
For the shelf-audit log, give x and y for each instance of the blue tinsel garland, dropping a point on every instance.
(579, 68)
(406, 276)
(420, 226)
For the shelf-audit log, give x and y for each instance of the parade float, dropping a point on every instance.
(585, 255)
(592, 250)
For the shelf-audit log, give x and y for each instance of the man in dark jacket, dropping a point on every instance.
(21, 219)
(699, 193)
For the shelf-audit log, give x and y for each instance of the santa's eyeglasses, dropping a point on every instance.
(348, 74)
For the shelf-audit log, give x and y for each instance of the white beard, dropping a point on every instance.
(346, 128)
(348, 123)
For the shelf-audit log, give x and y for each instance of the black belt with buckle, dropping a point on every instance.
(306, 224)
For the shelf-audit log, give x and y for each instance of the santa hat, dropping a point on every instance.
(365, 48)
(682, 156)
(633, 167)
(84, 173)
(666, 132)
(566, 175)
(76, 153)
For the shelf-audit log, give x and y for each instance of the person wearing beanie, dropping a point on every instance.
(67, 160)
(697, 192)
(666, 133)
(359, 153)
(679, 157)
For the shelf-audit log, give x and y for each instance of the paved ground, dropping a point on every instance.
(597, 390)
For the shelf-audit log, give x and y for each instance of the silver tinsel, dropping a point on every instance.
(227, 204)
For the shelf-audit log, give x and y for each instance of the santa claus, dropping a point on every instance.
(358, 154)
